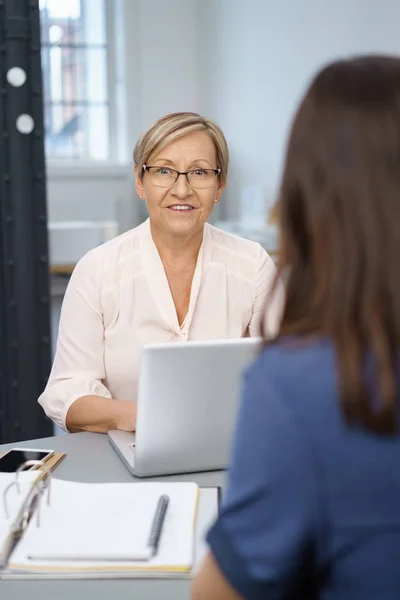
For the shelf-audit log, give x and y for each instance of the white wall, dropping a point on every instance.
(256, 58)
(90, 193)
(166, 56)
(160, 61)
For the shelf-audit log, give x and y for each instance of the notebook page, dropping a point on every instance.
(90, 519)
(15, 501)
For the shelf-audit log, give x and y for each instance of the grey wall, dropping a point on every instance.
(256, 57)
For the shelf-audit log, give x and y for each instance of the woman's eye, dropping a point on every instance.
(164, 171)
(199, 172)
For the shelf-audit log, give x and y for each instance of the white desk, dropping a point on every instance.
(90, 458)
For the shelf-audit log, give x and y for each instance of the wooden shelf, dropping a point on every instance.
(61, 269)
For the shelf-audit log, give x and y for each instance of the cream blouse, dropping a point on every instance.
(118, 300)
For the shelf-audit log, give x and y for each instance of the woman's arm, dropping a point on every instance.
(210, 584)
(75, 397)
(99, 415)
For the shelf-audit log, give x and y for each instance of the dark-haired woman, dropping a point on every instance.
(312, 509)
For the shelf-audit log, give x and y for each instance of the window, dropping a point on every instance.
(75, 79)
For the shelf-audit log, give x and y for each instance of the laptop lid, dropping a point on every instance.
(187, 403)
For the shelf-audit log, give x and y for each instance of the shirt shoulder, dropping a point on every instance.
(294, 354)
(113, 260)
(287, 364)
(119, 247)
(236, 253)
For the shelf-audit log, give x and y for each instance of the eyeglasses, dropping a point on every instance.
(197, 178)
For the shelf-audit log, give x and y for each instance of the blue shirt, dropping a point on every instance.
(313, 506)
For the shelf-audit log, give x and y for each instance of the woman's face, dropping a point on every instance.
(181, 209)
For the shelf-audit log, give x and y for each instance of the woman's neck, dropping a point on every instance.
(175, 249)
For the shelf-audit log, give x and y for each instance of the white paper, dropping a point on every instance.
(15, 500)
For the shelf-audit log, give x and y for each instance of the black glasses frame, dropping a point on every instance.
(147, 168)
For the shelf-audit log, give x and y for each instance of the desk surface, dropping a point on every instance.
(90, 458)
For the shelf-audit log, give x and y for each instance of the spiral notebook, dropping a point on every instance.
(102, 529)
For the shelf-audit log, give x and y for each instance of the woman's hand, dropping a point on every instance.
(126, 420)
(100, 415)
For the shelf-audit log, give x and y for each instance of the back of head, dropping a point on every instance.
(339, 213)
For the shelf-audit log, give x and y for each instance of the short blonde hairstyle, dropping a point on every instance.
(174, 126)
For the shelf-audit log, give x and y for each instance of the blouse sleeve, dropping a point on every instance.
(268, 303)
(263, 540)
(78, 368)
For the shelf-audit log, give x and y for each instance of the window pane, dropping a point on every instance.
(74, 63)
(61, 9)
(94, 22)
(64, 135)
(97, 132)
(77, 131)
(73, 70)
(96, 76)
(73, 31)
(65, 31)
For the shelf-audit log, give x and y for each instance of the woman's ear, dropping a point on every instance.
(218, 193)
(138, 184)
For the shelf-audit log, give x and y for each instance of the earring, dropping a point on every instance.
(216, 200)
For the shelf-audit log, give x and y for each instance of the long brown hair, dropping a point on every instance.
(339, 213)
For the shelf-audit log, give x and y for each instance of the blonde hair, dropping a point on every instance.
(174, 126)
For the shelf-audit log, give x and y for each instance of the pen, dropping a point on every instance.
(152, 544)
(158, 523)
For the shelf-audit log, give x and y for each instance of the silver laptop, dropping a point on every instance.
(187, 404)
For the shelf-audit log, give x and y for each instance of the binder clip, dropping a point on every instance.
(33, 498)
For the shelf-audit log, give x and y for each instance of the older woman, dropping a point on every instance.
(174, 277)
